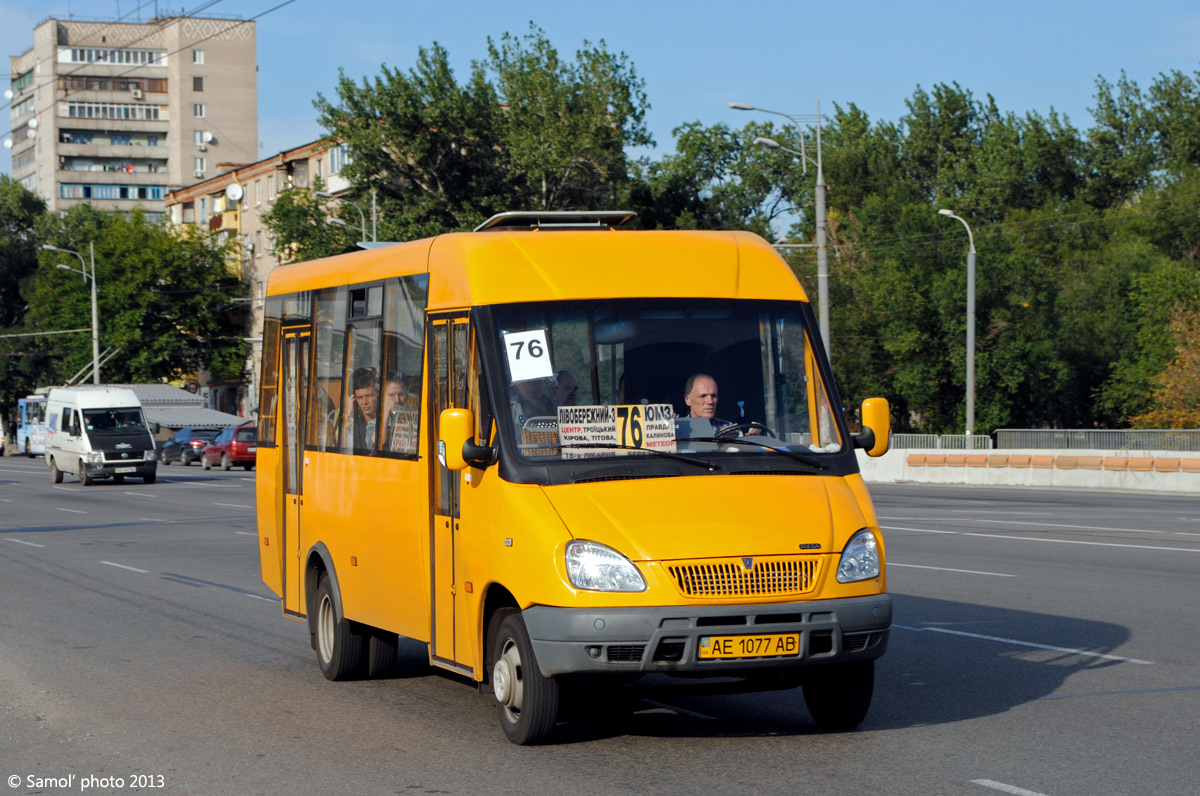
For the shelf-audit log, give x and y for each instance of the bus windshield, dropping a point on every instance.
(591, 379)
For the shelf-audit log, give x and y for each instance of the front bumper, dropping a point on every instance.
(134, 469)
(666, 639)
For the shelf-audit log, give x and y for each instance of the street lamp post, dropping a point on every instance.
(822, 243)
(970, 322)
(82, 270)
(337, 222)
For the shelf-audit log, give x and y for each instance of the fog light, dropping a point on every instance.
(593, 652)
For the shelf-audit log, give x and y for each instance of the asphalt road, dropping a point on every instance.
(1045, 643)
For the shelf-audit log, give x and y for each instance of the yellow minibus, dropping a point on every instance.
(564, 453)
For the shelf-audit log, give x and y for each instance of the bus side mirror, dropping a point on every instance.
(457, 448)
(877, 427)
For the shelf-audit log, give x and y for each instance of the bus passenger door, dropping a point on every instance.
(291, 432)
(449, 355)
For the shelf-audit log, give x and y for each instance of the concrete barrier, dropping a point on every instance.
(1165, 471)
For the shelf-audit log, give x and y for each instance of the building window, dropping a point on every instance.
(151, 140)
(258, 251)
(197, 84)
(270, 187)
(257, 192)
(197, 56)
(320, 175)
(339, 156)
(203, 210)
(198, 110)
(199, 164)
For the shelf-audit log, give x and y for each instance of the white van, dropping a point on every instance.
(98, 432)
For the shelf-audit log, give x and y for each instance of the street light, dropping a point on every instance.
(970, 323)
(337, 222)
(82, 270)
(822, 245)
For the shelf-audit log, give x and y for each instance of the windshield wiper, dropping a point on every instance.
(712, 468)
(799, 457)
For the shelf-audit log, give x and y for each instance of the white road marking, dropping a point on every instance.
(22, 541)
(1076, 527)
(947, 569)
(1018, 643)
(1000, 786)
(73, 511)
(245, 533)
(122, 566)
(1052, 541)
(268, 599)
(233, 505)
(143, 494)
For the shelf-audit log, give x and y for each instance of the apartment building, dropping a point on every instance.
(120, 113)
(232, 205)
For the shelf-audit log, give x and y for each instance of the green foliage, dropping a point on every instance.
(165, 298)
(298, 220)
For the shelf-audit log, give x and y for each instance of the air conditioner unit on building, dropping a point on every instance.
(200, 174)
(201, 147)
(137, 93)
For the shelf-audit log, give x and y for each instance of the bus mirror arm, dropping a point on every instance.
(865, 439)
(457, 443)
(478, 455)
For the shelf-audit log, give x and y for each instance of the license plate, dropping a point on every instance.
(252, 449)
(731, 647)
(125, 470)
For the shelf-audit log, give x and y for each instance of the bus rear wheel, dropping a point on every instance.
(28, 452)
(839, 695)
(526, 702)
(341, 645)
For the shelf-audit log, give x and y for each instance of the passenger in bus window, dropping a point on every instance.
(565, 391)
(400, 431)
(366, 408)
(530, 399)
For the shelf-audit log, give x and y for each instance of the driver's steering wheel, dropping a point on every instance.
(734, 429)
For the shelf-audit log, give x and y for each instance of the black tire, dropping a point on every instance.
(184, 459)
(248, 466)
(341, 644)
(84, 478)
(226, 462)
(118, 479)
(205, 464)
(381, 653)
(149, 479)
(55, 473)
(839, 695)
(526, 702)
(162, 458)
(28, 452)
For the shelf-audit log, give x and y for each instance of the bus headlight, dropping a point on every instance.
(860, 559)
(95, 457)
(595, 567)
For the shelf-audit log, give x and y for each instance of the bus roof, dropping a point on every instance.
(518, 265)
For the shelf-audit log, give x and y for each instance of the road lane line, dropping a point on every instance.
(22, 541)
(1000, 786)
(268, 599)
(122, 566)
(1070, 650)
(1076, 527)
(73, 511)
(947, 569)
(143, 494)
(233, 505)
(1119, 693)
(245, 533)
(1053, 541)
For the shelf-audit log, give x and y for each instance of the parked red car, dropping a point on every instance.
(234, 445)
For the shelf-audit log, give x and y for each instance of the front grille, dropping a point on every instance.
(766, 577)
(626, 653)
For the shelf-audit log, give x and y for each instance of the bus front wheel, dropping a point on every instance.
(55, 473)
(340, 643)
(84, 478)
(839, 695)
(526, 702)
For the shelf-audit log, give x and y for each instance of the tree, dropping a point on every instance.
(301, 219)
(165, 298)
(1176, 398)
(566, 125)
(528, 130)
(19, 211)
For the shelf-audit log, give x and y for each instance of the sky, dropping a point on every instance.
(698, 56)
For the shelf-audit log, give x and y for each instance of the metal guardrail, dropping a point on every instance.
(1100, 439)
(973, 442)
